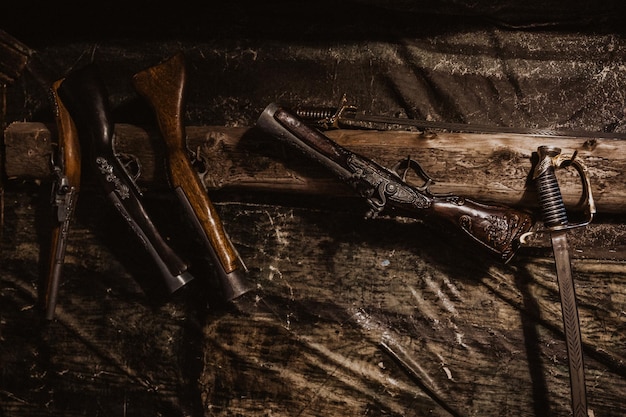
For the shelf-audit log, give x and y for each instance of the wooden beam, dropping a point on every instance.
(487, 167)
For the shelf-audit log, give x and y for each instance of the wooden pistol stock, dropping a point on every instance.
(84, 94)
(495, 228)
(163, 87)
(66, 186)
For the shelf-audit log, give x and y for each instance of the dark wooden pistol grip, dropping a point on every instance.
(496, 228)
(85, 95)
(163, 87)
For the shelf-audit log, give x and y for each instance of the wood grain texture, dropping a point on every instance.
(163, 87)
(487, 167)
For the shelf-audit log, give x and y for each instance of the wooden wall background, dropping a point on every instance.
(350, 317)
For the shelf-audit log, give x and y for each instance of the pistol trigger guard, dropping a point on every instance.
(53, 162)
(408, 163)
(57, 161)
(131, 165)
(199, 163)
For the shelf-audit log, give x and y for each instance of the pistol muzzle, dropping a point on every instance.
(234, 284)
(174, 282)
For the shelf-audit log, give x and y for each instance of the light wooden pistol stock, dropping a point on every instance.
(163, 87)
(66, 165)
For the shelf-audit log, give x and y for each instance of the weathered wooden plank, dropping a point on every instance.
(489, 167)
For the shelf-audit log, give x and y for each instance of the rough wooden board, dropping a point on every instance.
(486, 167)
(485, 339)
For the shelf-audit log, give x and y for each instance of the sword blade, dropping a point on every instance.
(571, 325)
(356, 120)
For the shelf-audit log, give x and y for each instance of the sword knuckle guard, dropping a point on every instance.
(548, 190)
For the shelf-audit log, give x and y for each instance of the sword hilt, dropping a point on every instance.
(326, 117)
(549, 193)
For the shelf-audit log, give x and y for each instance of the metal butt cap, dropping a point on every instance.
(235, 284)
(179, 281)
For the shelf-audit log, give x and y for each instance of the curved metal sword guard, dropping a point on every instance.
(551, 158)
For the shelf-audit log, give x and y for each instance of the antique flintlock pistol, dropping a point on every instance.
(66, 165)
(84, 94)
(495, 228)
(163, 87)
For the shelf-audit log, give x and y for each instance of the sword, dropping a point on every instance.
(556, 222)
(347, 116)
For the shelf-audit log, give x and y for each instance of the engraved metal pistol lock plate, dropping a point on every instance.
(556, 222)
(377, 198)
(61, 193)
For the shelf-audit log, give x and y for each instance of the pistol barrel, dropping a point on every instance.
(498, 229)
(163, 88)
(66, 187)
(86, 97)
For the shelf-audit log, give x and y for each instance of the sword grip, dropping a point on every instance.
(549, 192)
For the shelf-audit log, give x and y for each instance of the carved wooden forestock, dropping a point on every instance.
(496, 228)
(163, 87)
(84, 94)
(66, 186)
